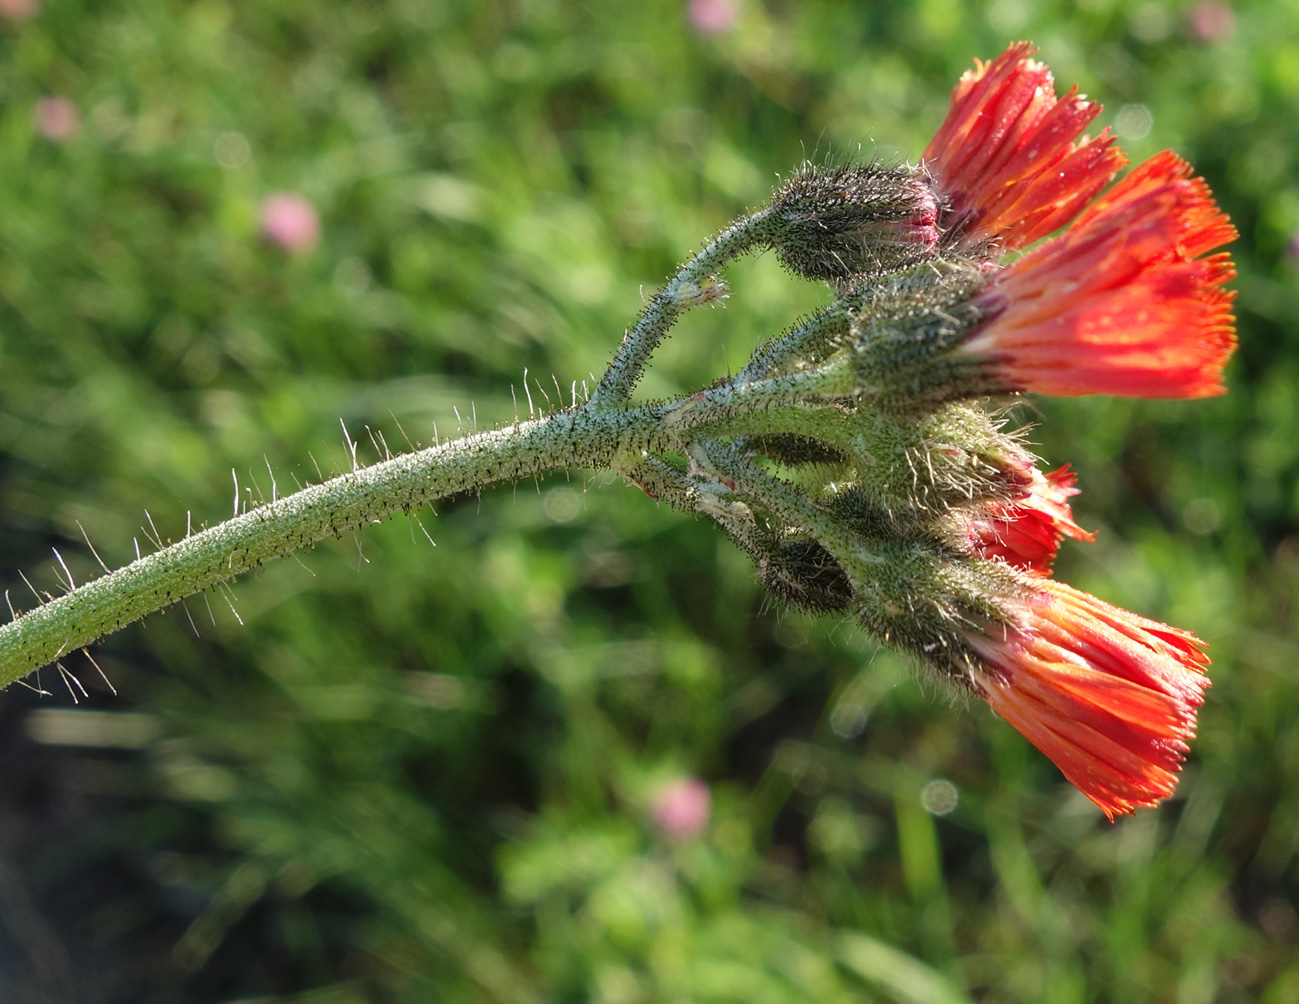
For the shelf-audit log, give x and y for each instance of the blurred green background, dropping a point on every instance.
(439, 774)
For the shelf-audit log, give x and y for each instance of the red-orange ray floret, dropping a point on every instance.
(1122, 302)
(1026, 533)
(1110, 697)
(1005, 156)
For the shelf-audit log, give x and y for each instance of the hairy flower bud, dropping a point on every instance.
(911, 468)
(913, 592)
(800, 571)
(917, 469)
(834, 223)
(900, 346)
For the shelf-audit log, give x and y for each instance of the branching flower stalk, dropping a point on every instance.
(865, 458)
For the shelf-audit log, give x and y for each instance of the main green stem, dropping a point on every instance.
(591, 436)
(603, 433)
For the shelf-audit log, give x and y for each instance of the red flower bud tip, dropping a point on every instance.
(1122, 302)
(681, 809)
(921, 228)
(1026, 533)
(834, 223)
(1109, 696)
(1005, 155)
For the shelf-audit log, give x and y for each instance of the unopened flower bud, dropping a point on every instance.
(801, 572)
(834, 223)
(902, 341)
(912, 468)
(925, 598)
(916, 469)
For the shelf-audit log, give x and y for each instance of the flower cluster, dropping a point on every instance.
(865, 458)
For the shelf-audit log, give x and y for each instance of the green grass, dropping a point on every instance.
(425, 774)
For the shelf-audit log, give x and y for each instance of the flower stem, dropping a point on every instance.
(809, 340)
(765, 405)
(591, 436)
(679, 294)
(791, 505)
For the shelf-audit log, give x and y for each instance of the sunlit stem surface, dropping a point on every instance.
(592, 436)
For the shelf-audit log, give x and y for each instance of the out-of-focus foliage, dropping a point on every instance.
(417, 773)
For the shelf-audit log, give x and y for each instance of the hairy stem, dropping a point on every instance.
(679, 294)
(791, 505)
(590, 436)
(809, 340)
(745, 407)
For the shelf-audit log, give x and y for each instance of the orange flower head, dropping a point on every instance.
(1006, 158)
(1108, 696)
(1026, 533)
(1123, 302)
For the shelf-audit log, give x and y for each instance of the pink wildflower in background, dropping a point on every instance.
(681, 808)
(1211, 21)
(290, 221)
(19, 10)
(712, 17)
(57, 119)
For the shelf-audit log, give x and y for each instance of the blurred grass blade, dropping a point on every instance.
(904, 977)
